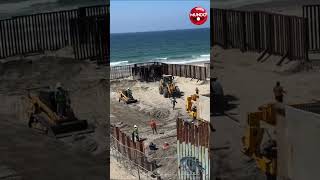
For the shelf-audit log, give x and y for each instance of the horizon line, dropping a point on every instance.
(159, 30)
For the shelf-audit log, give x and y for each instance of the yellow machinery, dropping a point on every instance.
(168, 88)
(43, 117)
(266, 157)
(190, 105)
(126, 96)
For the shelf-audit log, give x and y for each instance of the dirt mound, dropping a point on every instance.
(160, 113)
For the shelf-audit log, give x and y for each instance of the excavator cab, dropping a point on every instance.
(167, 79)
(167, 88)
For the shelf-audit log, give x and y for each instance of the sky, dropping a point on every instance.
(154, 15)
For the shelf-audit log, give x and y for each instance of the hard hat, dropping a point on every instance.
(135, 126)
(58, 85)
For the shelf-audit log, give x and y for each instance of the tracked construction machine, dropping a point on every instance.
(265, 154)
(168, 88)
(42, 116)
(126, 96)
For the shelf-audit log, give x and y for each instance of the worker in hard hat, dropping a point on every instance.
(129, 93)
(279, 92)
(194, 110)
(173, 101)
(135, 133)
(197, 91)
(61, 99)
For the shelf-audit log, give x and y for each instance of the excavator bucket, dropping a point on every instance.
(70, 128)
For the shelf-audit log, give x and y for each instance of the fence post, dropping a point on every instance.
(243, 27)
(225, 29)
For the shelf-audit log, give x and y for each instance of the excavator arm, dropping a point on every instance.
(53, 118)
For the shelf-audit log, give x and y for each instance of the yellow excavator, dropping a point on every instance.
(265, 154)
(191, 107)
(168, 88)
(126, 96)
(42, 116)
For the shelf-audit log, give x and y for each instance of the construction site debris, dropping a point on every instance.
(160, 113)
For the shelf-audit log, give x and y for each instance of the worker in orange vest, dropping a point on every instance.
(153, 126)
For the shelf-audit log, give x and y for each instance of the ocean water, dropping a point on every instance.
(176, 46)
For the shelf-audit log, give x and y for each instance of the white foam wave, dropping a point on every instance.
(189, 61)
(119, 63)
(165, 58)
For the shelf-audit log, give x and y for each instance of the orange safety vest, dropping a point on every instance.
(153, 124)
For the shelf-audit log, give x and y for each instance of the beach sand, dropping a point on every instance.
(118, 172)
(153, 105)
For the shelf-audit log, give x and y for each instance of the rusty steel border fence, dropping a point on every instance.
(35, 33)
(90, 38)
(134, 151)
(312, 13)
(143, 71)
(193, 142)
(261, 32)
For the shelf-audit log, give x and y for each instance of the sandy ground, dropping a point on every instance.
(118, 172)
(153, 105)
(89, 96)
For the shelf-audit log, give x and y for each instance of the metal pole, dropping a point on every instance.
(138, 172)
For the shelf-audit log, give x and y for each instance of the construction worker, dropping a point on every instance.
(197, 91)
(153, 126)
(279, 92)
(135, 133)
(218, 96)
(129, 93)
(194, 110)
(173, 101)
(61, 99)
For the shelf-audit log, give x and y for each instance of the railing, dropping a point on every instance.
(261, 31)
(90, 38)
(134, 151)
(146, 71)
(22, 35)
(312, 13)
